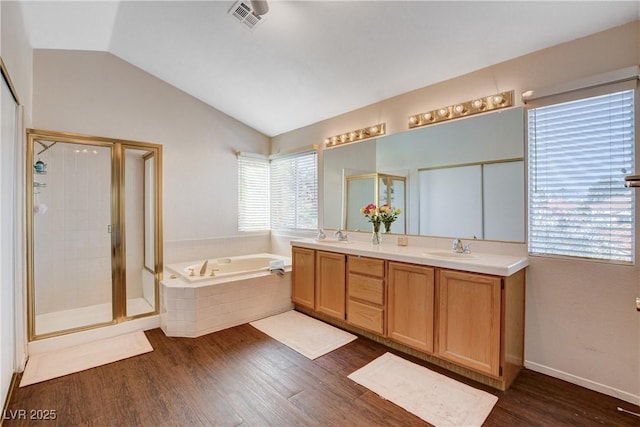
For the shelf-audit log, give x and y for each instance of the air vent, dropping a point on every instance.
(243, 12)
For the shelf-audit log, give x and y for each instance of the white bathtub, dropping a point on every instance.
(242, 289)
(228, 267)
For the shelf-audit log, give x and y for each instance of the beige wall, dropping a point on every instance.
(581, 322)
(15, 51)
(96, 93)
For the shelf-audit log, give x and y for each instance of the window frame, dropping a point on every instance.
(252, 208)
(576, 95)
(268, 177)
(302, 156)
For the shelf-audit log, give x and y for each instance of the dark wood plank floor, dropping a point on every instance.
(241, 377)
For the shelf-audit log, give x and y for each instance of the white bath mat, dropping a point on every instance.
(435, 398)
(306, 335)
(57, 363)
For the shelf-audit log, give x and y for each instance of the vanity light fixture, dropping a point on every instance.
(356, 135)
(462, 109)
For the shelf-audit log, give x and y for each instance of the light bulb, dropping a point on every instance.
(498, 99)
(374, 129)
(343, 137)
(443, 112)
(413, 120)
(459, 109)
(427, 116)
(477, 104)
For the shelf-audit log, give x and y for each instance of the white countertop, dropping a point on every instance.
(476, 262)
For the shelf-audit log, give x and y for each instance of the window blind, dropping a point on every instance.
(579, 154)
(294, 192)
(253, 190)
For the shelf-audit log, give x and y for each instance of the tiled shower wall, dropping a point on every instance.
(72, 244)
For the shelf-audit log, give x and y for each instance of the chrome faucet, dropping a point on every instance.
(321, 235)
(460, 248)
(341, 236)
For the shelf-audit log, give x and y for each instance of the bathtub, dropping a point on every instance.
(228, 267)
(232, 291)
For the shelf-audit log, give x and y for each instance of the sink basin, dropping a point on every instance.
(450, 255)
(333, 242)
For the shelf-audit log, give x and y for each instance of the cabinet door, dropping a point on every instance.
(469, 320)
(303, 277)
(330, 284)
(411, 305)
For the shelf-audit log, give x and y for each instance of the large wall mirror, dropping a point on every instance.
(463, 178)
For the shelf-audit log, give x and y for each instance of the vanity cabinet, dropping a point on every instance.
(330, 284)
(366, 293)
(303, 277)
(469, 307)
(411, 305)
(470, 322)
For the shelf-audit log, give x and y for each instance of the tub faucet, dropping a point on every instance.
(203, 269)
(341, 236)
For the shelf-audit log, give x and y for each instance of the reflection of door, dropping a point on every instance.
(376, 188)
(92, 204)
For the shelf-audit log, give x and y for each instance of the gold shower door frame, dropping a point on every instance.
(118, 247)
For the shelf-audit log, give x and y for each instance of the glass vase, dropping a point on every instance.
(376, 236)
(387, 227)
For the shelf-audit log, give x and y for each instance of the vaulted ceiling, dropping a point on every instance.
(310, 60)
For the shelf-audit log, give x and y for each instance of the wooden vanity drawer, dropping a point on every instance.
(366, 288)
(365, 316)
(368, 266)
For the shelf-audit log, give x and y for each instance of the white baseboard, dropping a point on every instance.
(69, 340)
(583, 382)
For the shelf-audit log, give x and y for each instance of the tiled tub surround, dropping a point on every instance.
(195, 308)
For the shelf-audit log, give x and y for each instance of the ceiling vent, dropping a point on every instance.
(244, 13)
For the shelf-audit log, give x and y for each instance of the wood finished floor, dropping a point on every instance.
(241, 377)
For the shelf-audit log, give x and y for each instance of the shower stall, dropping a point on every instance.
(94, 226)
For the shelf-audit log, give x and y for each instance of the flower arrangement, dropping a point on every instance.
(372, 213)
(388, 215)
(384, 214)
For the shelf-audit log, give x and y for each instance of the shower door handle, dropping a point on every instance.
(109, 229)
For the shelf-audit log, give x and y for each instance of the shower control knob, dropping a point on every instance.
(40, 166)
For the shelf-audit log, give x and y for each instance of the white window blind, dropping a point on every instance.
(294, 192)
(579, 154)
(253, 190)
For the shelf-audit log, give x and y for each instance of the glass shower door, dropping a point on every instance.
(139, 236)
(72, 236)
